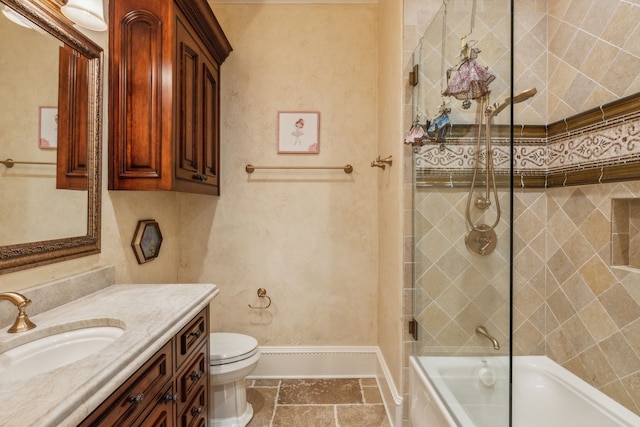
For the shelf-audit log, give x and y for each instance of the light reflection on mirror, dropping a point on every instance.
(32, 209)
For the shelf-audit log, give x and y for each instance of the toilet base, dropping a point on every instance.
(229, 406)
(240, 421)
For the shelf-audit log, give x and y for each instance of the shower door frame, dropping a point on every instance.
(475, 344)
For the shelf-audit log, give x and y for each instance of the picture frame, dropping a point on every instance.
(298, 132)
(147, 240)
(48, 137)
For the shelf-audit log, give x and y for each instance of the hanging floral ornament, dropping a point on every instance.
(471, 80)
(416, 134)
(440, 126)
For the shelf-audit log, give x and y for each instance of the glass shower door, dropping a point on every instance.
(461, 138)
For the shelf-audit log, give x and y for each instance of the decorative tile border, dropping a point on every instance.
(607, 144)
(594, 147)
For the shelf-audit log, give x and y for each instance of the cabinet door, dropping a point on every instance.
(210, 122)
(197, 113)
(73, 132)
(187, 87)
(140, 95)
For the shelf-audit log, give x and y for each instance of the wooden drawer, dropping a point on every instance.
(171, 388)
(162, 410)
(191, 336)
(195, 412)
(132, 399)
(193, 375)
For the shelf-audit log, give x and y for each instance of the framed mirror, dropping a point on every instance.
(50, 143)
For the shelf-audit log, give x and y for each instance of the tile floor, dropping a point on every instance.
(316, 403)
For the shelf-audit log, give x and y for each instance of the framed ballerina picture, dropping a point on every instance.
(48, 128)
(299, 132)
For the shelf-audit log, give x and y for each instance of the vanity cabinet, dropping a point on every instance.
(170, 389)
(164, 103)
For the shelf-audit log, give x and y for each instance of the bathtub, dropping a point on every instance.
(474, 392)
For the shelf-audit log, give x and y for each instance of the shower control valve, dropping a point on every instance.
(481, 240)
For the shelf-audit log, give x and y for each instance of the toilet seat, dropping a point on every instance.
(228, 347)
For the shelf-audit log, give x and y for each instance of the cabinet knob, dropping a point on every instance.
(196, 411)
(171, 397)
(196, 375)
(137, 399)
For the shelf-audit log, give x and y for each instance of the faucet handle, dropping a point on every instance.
(22, 322)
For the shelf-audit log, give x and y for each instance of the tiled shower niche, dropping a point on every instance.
(625, 233)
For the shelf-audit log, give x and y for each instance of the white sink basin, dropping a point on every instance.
(54, 351)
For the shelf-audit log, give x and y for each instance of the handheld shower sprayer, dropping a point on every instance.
(482, 238)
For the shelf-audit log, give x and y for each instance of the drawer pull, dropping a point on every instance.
(199, 177)
(196, 411)
(169, 397)
(196, 375)
(195, 333)
(137, 399)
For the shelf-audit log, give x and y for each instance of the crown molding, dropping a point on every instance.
(297, 2)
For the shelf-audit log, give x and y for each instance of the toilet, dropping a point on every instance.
(232, 357)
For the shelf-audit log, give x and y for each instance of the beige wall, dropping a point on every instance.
(309, 237)
(390, 202)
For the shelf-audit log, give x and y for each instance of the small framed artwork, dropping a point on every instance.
(147, 240)
(299, 132)
(48, 128)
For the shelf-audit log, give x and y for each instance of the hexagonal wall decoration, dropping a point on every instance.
(147, 240)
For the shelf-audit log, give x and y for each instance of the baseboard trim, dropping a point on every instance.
(393, 400)
(316, 362)
(332, 362)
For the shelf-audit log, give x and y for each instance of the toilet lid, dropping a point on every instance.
(227, 347)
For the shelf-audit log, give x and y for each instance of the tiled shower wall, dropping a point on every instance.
(455, 289)
(569, 302)
(593, 52)
(579, 54)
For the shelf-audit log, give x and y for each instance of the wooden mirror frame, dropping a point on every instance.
(47, 15)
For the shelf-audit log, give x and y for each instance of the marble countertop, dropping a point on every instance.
(151, 316)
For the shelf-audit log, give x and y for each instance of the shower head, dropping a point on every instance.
(522, 96)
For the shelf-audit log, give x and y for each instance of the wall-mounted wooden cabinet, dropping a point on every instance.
(164, 102)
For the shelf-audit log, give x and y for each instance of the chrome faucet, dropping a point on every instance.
(22, 322)
(481, 330)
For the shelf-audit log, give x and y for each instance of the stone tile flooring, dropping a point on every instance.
(316, 403)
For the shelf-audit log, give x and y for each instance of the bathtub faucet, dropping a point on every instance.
(481, 330)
